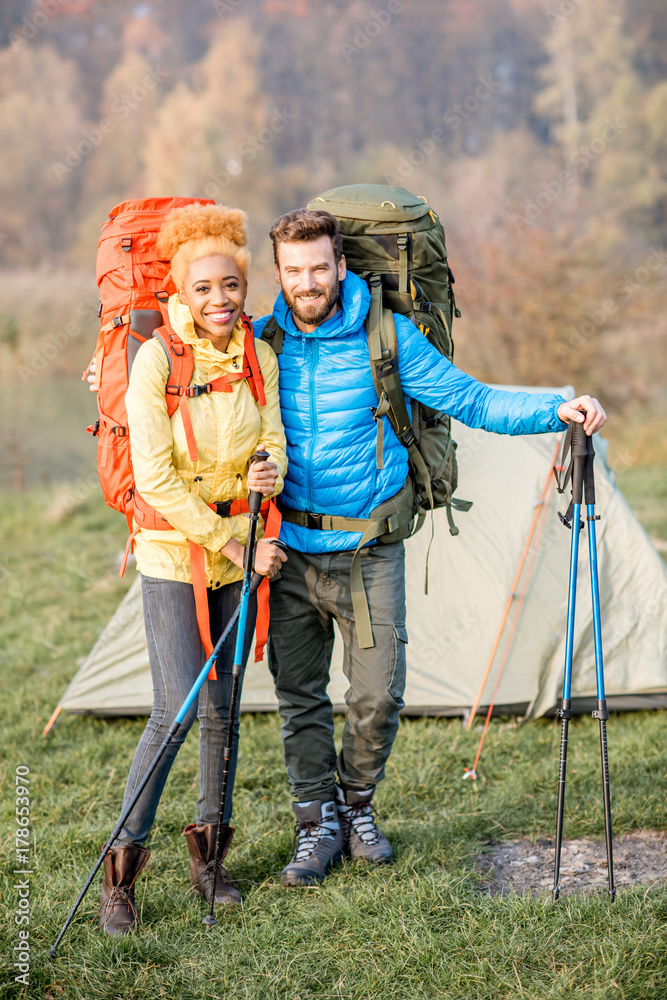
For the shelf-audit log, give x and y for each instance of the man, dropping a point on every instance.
(327, 397)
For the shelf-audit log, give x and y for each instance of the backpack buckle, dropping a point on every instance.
(173, 390)
(223, 507)
(119, 431)
(198, 390)
(313, 520)
(126, 243)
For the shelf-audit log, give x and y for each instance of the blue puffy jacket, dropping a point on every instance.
(326, 395)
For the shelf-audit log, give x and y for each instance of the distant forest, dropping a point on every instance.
(536, 128)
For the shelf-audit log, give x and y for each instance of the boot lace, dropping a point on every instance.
(306, 838)
(119, 895)
(205, 876)
(360, 817)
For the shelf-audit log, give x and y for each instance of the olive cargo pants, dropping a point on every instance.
(314, 589)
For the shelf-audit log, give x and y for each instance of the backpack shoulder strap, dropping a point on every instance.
(383, 353)
(273, 334)
(181, 365)
(255, 379)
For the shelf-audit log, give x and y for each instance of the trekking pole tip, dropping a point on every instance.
(210, 921)
(52, 952)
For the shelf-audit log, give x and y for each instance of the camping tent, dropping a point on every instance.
(452, 630)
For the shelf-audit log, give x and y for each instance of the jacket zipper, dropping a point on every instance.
(313, 418)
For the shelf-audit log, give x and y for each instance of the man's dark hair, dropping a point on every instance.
(303, 225)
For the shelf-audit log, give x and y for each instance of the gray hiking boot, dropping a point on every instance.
(319, 843)
(362, 839)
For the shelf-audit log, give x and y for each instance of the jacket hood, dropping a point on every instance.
(183, 324)
(355, 300)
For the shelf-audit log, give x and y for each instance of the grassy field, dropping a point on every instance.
(422, 928)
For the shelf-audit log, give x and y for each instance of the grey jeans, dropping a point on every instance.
(314, 589)
(176, 657)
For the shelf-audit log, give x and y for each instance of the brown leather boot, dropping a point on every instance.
(122, 865)
(201, 845)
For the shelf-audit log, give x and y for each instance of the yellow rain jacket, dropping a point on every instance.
(228, 427)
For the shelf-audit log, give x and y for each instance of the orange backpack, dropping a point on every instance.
(135, 285)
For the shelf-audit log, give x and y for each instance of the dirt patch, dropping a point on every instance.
(524, 866)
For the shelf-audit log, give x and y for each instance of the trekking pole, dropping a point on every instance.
(225, 832)
(172, 732)
(580, 471)
(601, 712)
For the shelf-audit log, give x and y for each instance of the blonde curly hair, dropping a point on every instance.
(195, 231)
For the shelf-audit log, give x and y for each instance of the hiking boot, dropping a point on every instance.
(201, 845)
(122, 865)
(319, 843)
(361, 837)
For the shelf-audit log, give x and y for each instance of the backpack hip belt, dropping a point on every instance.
(391, 521)
(150, 519)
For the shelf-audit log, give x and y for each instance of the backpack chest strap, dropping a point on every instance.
(222, 384)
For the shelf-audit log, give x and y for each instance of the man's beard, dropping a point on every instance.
(313, 315)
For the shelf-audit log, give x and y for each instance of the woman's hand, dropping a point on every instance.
(262, 476)
(268, 558)
(592, 418)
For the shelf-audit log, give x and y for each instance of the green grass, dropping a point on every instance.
(422, 928)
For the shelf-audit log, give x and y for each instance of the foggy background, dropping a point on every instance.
(537, 129)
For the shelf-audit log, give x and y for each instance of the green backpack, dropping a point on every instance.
(395, 241)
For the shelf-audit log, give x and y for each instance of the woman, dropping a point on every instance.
(207, 247)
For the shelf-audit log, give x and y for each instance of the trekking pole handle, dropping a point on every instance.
(254, 496)
(579, 452)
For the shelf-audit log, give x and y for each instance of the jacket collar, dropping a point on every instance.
(355, 301)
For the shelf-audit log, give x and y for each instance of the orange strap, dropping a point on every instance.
(187, 427)
(272, 524)
(198, 573)
(153, 521)
(129, 546)
(221, 384)
(255, 377)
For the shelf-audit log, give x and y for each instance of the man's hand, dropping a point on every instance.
(593, 416)
(268, 558)
(262, 476)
